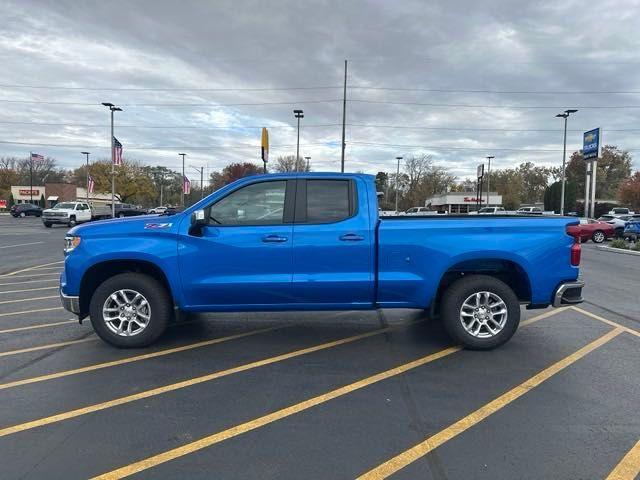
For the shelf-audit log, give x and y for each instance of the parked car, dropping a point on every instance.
(490, 211)
(529, 211)
(67, 213)
(620, 211)
(632, 229)
(25, 210)
(590, 229)
(157, 210)
(315, 241)
(128, 210)
(417, 211)
(618, 222)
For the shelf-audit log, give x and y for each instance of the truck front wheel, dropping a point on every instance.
(480, 312)
(130, 310)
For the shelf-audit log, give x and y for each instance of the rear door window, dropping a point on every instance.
(328, 201)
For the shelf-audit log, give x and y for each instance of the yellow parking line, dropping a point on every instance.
(30, 275)
(48, 309)
(186, 383)
(629, 466)
(136, 358)
(29, 281)
(285, 412)
(28, 299)
(30, 268)
(607, 321)
(41, 325)
(431, 443)
(28, 290)
(44, 347)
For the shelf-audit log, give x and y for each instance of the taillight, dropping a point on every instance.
(576, 251)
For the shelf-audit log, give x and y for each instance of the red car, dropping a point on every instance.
(592, 229)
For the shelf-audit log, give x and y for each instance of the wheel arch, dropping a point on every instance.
(507, 271)
(99, 272)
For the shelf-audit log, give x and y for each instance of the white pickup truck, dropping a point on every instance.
(72, 213)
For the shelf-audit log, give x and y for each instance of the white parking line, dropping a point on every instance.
(28, 299)
(21, 245)
(46, 268)
(29, 290)
(32, 275)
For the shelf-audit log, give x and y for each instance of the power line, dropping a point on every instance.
(471, 129)
(212, 105)
(167, 147)
(528, 92)
(170, 89)
(462, 105)
(217, 127)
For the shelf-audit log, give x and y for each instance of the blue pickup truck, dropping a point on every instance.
(315, 241)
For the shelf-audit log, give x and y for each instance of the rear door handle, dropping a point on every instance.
(274, 239)
(351, 237)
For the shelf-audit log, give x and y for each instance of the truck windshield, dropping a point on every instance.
(68, 206)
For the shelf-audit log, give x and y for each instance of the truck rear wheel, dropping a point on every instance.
(480, 312)
(130, 310)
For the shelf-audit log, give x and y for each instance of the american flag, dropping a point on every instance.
(117, 159)
(37, 157)
(186, 186)
(92, 184)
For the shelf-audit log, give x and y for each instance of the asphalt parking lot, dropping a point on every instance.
(326, 395)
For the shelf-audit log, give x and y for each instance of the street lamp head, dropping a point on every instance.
(107, 104)
(562, 115)
(183, 154)
(116, 109)
(571, 111)
(398, 158)
(85, 153)
(297, 111)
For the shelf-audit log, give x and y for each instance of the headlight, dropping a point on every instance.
(70, 243)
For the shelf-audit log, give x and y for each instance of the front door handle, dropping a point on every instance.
(274, 239)
(351, 237)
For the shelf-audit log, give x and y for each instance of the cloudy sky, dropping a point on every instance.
(456, 80)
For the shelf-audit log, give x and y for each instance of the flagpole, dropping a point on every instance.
(113, 171)
(31, 176)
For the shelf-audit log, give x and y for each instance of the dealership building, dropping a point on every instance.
(461, 202)
(56, 192)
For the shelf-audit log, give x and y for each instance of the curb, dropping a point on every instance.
(617, 250)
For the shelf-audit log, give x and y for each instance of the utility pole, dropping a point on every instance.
(489, 177)
(298, 114)
(564, 115)
(161, 185)
(201, 172)
(182, 197)
(112, 108)
(397, 178)
(86, 154)
(344, 115)
(31, 176)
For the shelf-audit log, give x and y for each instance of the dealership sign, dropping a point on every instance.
(591, 144)
(26, 191)
(473, 200)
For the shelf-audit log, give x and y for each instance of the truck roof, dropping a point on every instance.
(309, 175)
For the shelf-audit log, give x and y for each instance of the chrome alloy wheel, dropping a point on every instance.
(483, 314)
(598, 237)
(126, 312)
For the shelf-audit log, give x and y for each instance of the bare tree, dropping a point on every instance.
(288, 163)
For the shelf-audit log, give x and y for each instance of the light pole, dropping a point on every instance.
(86, 154)
(182, 198)
(201, 172)
(307, 159)
(112, 108)
(564, 115)
(298, 114)
(489, 157)
(397, 177)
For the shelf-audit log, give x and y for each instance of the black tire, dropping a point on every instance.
(453, 299)
(72, 222)
(152, 290)
(598, 236)
(22, 214)
(618, 232)
(121, 215)
(47, 224)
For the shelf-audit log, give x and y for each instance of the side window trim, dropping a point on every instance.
(300, 216)
(289, 204)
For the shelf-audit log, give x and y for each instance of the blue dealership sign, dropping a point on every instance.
(591, 144)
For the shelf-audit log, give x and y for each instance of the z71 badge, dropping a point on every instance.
(156, 226)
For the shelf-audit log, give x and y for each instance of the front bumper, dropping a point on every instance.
(568, 293)
(64, 220)
(70, 302)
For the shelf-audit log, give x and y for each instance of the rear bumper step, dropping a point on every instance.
(568, 293)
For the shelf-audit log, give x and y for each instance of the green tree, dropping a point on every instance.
(553, 194)
(133, 184)
(42, 202)
(629, 192)
(614, 167)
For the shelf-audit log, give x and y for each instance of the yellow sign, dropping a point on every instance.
(265, 145)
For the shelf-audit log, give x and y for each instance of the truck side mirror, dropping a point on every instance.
(198, 220)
